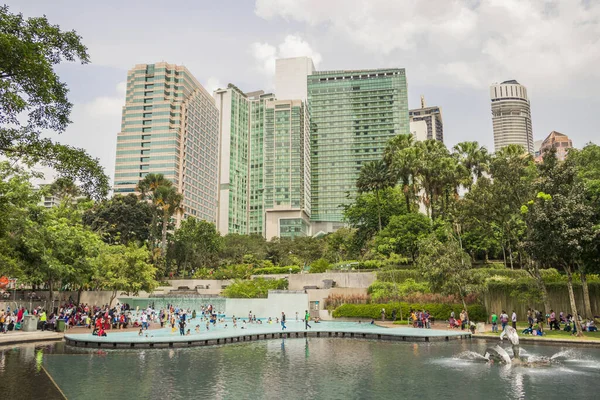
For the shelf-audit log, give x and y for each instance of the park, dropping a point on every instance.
(450, 264)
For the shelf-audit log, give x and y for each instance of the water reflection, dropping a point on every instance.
(296, 368)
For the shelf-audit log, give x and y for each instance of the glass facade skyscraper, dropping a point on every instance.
(169, 126)
(286, 169)
(241, 175)
(353, 114)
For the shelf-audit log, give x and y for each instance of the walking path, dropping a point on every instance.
(166, 338)
(17, 337)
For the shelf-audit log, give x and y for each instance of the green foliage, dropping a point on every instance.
(233, 271)
(196, 244)
(32, 99)
(319, 266)
(121, 220)
(389, 291)
(124, 269)
(446, 266)
(363, 213)
(243, 248)
(400, 275)
(256, 288)
(402, 235)
(440, 312)
(277, 270)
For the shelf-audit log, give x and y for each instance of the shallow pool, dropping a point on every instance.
(313, 368)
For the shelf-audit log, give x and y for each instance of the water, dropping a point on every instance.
(314, 368)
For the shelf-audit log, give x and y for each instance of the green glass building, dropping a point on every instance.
(264, 164)
(241, 178)
(169, 126)
(286, 169)
(353, 114)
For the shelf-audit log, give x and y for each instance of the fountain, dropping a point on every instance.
(499, 354)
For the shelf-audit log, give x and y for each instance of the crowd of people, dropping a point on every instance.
(538, 322)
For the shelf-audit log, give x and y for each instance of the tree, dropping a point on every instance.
(373, 178)
(64, 189)
(59, 249)
(363, 213)
(559, 221)
(437, 173)
(446, 266)
(196, 244)
(400, 156)
(341, 245)
(29, 86)
(168, 202)
(124, 269)
(473, 159)
(17, 199)
(121, 220)
(495, 204)
(402, 235)
(237, 248)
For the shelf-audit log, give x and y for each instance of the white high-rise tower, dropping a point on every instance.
(511, 115)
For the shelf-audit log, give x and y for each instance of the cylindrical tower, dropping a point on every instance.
(511, 115)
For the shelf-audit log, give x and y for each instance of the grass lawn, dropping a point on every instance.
(548, 334)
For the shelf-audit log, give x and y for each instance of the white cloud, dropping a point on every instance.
(545, 43)
(213, 84)
(265, 54)
(107, 106)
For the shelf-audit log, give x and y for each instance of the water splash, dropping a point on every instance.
(567, 354)
(470, 355)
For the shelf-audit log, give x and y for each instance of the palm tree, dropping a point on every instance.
(374, 177)
(400, 156)
(474, 160)
(148, 186)
(64, 189)
(169, 201)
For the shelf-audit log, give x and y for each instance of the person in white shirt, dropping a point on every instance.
(513, 318)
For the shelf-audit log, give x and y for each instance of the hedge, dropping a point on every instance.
(277, 270)
(399, 275)
(477, 312)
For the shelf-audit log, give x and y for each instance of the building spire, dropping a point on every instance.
(422, 101)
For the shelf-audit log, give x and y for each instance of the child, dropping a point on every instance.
(188, 333)
(140, 333)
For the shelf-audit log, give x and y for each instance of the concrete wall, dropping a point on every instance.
(215, 285)
(290, 303)
(342, 280)
(321, 295)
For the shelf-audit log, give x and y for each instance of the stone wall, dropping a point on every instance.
(290, 303)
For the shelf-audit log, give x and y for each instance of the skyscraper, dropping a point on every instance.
(353, 114)
(241, 181)
(426, 122)
(511, 115)
(286, 169)
(556, 140)
(169, 126)
(290, 77)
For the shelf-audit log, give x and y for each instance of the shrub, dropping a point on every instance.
(400, 275)
(440, 312)
(321, 265)
(256, 288)
(388, 291)
(277, 270)
(235, 271)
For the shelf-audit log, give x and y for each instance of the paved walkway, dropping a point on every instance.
(220, 334)
(17, 337)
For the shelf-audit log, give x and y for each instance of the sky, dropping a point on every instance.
(452, 51)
